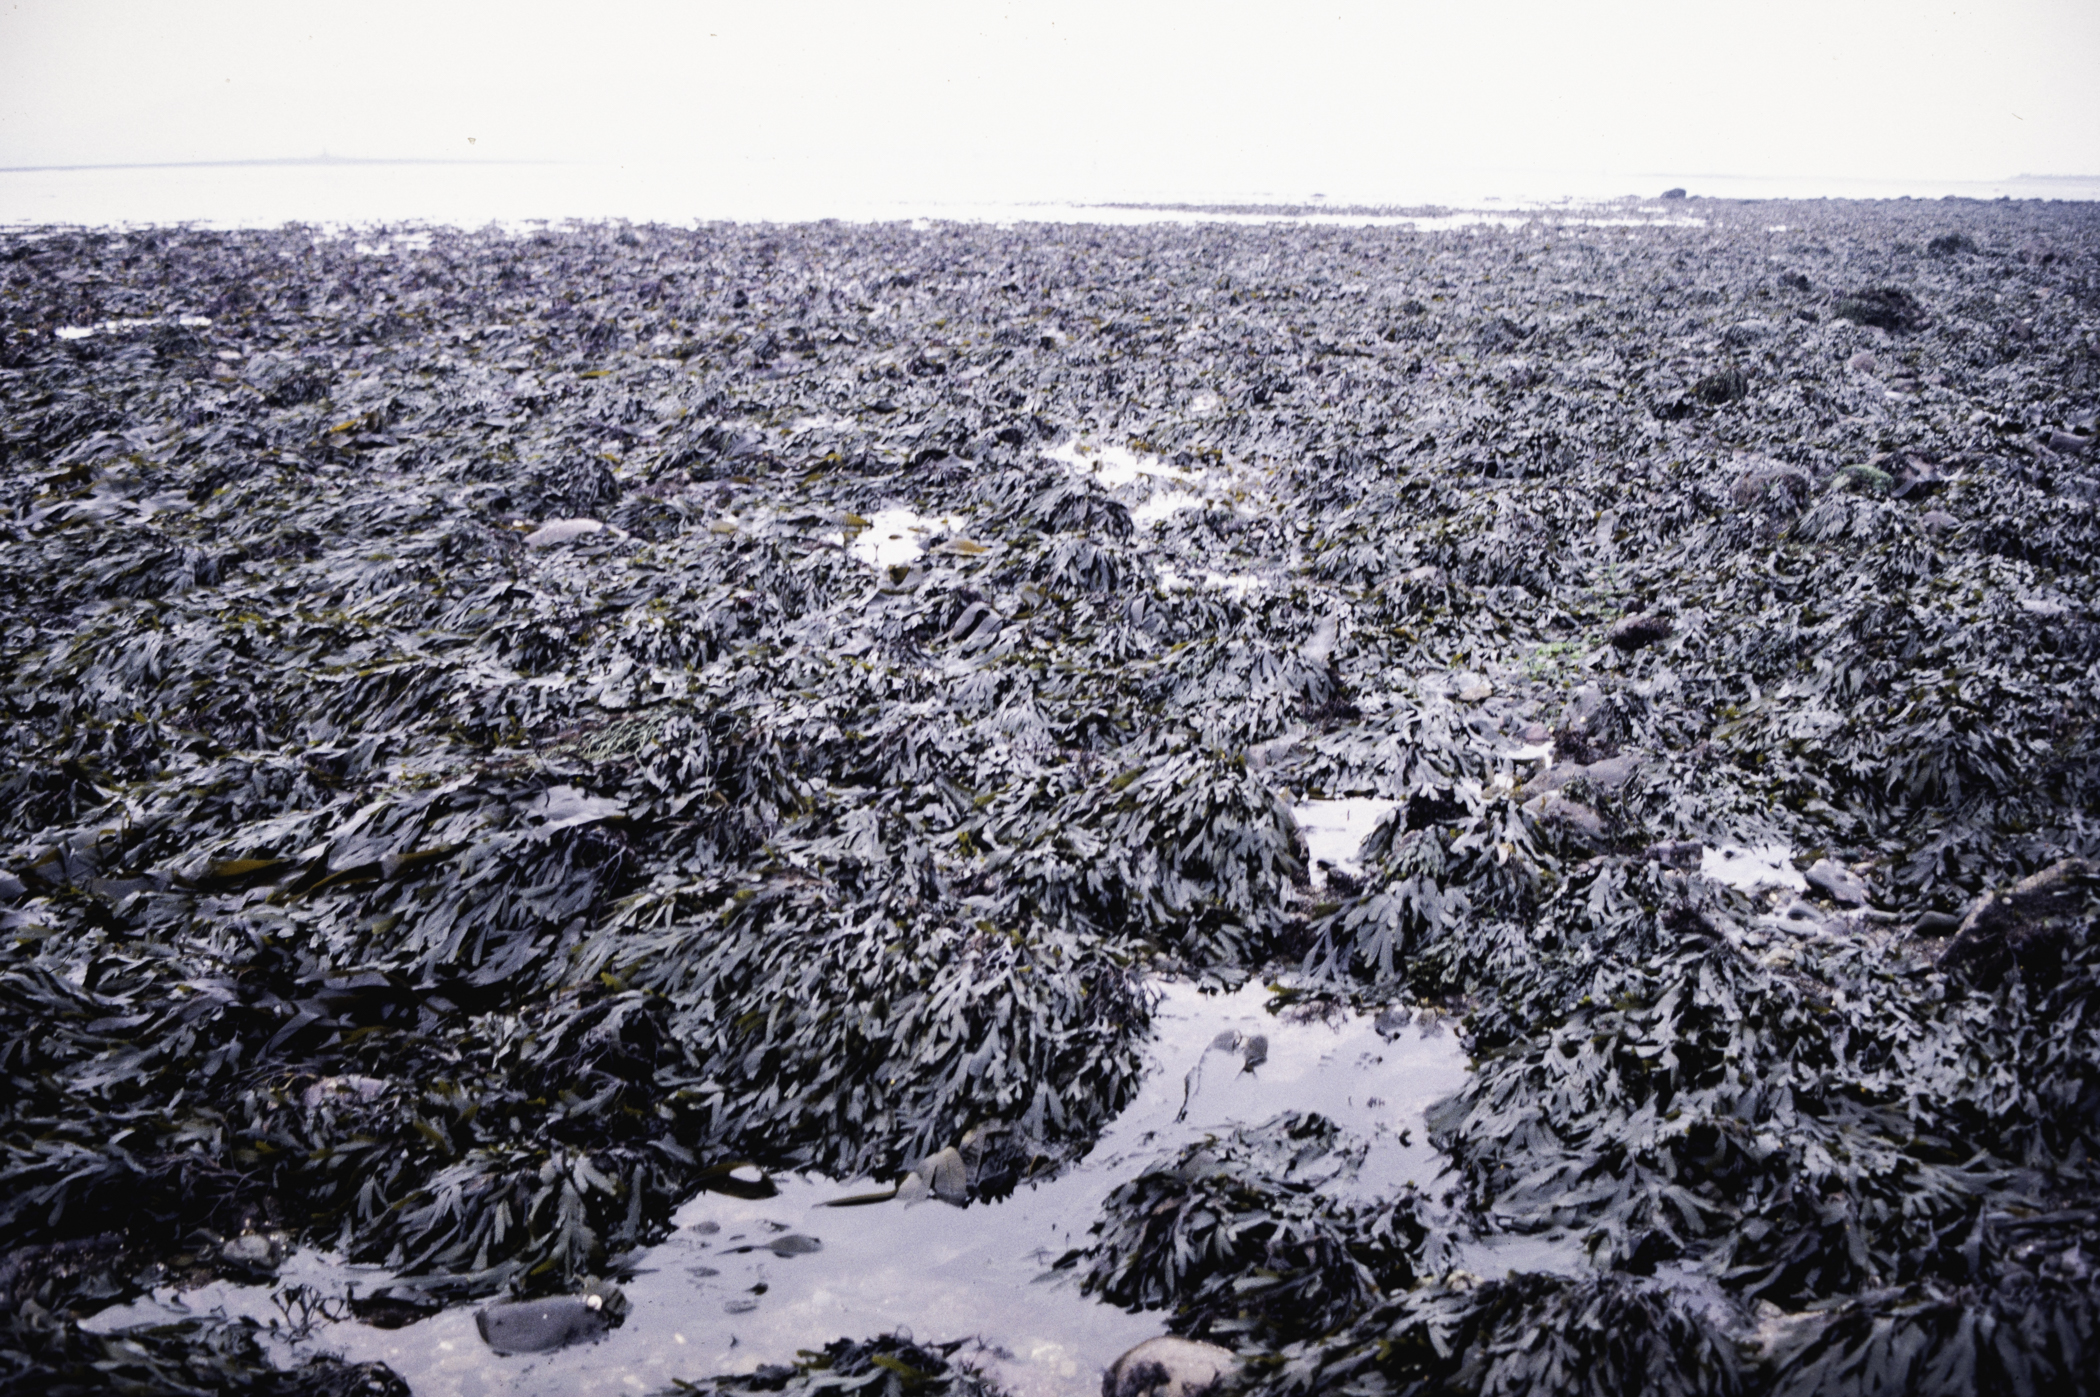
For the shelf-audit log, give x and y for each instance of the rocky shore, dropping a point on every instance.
(505, 731)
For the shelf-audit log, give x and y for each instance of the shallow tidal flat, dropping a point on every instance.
(1440, 810)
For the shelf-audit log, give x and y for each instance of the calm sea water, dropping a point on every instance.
(348, 193)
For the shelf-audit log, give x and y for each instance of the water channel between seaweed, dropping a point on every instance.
(716, 1298)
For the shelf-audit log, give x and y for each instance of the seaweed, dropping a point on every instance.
(500, 731)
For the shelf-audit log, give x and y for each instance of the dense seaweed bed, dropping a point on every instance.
(381, 876)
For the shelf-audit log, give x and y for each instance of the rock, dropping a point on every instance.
(1675, 854)
(1536, 733)
(12, 889)
(1745, 333)
(1772, 484)
(2024, 928)
(1633, 632)
(794, 1244)
(1800, 917)
(1883, 307)
(1938, 520)
(2066, 443)
(542, 1326)
(1864, 480)
(1254, 1052)
(1793, 281)
(1935, 924)
(1863, 362)
(342, 1089)
(1170, 1367)
(561, 531)
(254, 1252)
(1837, 882)
(1571, 816)
(1611, 773)
(1722, 386)
(1673, 194)
(1392, 1019)
(1949, 244)
(1918, 478)
(945, 1176)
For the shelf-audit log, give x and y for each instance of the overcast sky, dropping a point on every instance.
(1069, 99)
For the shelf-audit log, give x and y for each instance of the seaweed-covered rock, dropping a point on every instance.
(2029, 926)
(1238, 1235)
(1883, 307)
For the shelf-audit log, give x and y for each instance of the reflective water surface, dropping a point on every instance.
(745, 1282)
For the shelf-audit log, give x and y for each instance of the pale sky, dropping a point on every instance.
(1069, 99)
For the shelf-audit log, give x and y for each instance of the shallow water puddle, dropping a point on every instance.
(115, 327)
(1115, 466)
(1335, 829)
(895, 536)
(1751, 867)
(728, 1291)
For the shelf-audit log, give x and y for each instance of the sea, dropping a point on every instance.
(345, 193)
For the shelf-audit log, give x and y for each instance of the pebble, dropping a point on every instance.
(1170, 1367)
(1938, 520)
(1862, 362)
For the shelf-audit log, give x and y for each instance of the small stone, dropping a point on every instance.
(794, 1244)
(1170, 1367)
(1633, 632)
(1863, 362)
(1392, 1019)
(1837, 882)
(2067, 443)
(12, 888)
